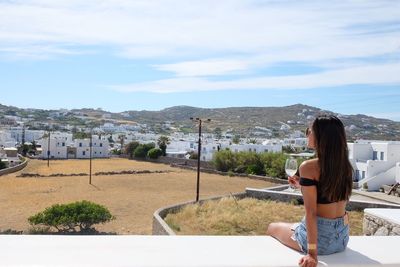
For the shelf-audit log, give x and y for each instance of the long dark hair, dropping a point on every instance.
(336, 171)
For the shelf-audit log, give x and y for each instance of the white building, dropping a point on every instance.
(30, 135)
(100, 147)
(6, 140)
(375, 162)
(11, 158)
(57, 148)
(63, 147)
(295, 142)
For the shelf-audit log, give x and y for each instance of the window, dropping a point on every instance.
(382, 155)
(101, 144)
(80, 144)
(63, 144)
(83, 153)
(363, 175)
(374, 155)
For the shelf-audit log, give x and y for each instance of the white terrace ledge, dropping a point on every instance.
(183, 251)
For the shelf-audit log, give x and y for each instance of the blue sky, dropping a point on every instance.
(120, 55)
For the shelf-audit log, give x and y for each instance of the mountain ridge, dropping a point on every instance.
(245, 121)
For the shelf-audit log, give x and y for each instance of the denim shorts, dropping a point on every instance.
(333, 235)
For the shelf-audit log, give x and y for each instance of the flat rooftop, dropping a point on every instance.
(183, 251)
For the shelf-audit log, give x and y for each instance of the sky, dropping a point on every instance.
(119, 55)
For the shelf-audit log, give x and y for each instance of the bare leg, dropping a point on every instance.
(283, 232)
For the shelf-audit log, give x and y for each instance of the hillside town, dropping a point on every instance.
(375, 162)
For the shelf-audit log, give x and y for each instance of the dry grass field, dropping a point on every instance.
(247, 216)
(132, 198)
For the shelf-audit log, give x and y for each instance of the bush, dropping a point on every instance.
(251, 161)
(154, 153)
(67, 217)
(3, 165)
(193, 155)
(130, 148)
(267, 163)
(274, 164)
(224, 160)
(142, 150)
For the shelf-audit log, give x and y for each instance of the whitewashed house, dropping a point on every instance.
(63, 147)
(57, 149)
(100, 147)
(258, 148)
(12, 156)
(375, 162)
(6, 140)
(30, 135)
(295, 142)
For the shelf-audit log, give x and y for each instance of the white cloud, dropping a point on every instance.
(200, 29)
(372, 74)
(205, 67)
(196, 39)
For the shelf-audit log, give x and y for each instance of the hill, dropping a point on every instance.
(245, 121)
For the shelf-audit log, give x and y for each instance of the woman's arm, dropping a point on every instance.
(307, 169)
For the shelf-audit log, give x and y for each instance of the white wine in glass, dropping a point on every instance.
(291, 168)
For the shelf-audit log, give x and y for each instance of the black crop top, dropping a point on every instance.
(310, 182)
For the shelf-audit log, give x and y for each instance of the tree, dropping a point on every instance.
(162, 143)
(130, 148)
(121, 139)
(154, 153)
(218, 133)
(142, 149)
(81, 135)
(252, 141)
(3, 165)
(67, 217)
(225, 160)
(236, 139)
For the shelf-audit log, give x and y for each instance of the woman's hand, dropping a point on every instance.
(294, 181)
(308, 261)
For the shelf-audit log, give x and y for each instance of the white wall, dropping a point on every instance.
(58, 148)
(377, 159)
(100, 147)
(6, 140)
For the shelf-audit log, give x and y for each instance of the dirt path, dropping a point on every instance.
(132, 198)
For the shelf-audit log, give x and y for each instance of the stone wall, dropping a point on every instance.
(14, 169)
(373, 224)
(160, 227)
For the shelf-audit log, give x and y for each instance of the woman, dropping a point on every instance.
(326, 184)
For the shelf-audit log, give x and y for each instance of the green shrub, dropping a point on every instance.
(193, 155)
(67, 217)
(252, 162)
(267, 163)
(3, 165)
(130, 148)
(224, 160)
(154, 153)
(142, 149)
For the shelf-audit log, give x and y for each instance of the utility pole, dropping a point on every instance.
(48, 150)
(90, 158)
(198, 156)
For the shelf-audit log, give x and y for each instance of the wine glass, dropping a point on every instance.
(291, 169)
